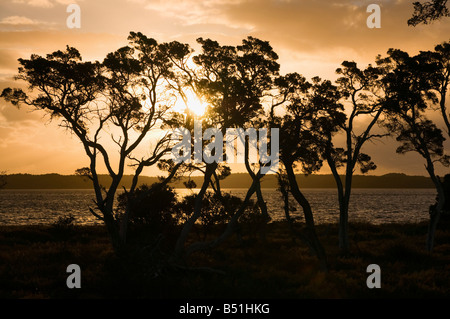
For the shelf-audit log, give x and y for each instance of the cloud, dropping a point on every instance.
(35, 3)
(21, 44)
(38, 147)
(18, 20)
(334, 28)
(307, 26)
(21, 23)
(43, 3)
(191, 11)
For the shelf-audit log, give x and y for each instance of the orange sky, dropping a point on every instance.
(311, 37)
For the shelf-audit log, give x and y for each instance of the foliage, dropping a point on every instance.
(65, 223)
(409, 90)
(151, 206)
(428, 12)
(217, 210)
(127, 94)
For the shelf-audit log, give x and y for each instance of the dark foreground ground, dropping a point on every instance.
(33, 262)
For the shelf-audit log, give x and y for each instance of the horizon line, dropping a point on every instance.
(243, 173)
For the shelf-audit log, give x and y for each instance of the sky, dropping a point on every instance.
(311, 37)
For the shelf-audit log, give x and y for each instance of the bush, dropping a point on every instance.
(65, 222)
(216, 210)
(151, 210)
(64, 226)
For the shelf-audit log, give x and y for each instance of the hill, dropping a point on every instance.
(239, 180)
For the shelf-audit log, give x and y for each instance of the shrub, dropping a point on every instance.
(63, 227)
(217, 210)
(64, 222)
(151, 211)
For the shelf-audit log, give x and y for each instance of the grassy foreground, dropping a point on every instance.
(33, 261)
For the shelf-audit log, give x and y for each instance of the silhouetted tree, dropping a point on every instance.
(428, 12)
(408, 86)
(446, 186)
(232, 80)
(438, 72)
(359, 90)
(123, 98)
(312, 113)
(437, 64)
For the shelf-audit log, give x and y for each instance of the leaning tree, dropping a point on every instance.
(111, 107)
(232, 80)
(311, 113)
(408, 86)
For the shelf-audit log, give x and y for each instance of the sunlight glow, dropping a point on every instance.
(193, 103)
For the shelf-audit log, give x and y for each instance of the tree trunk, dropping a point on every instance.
(256, 178)
(344, 202)
(285, 194)
(343, 208)
(435, 212)
(117, 240)
(344, 245)
(309, 218)
(261, 203)
(442, 104)
(105, 206)
(180, 244)
(432, 226)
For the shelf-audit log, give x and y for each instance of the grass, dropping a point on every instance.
(33, 261)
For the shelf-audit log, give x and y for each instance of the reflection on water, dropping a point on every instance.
(25, 207)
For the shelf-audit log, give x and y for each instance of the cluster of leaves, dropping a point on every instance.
(158, 210)
(428, 12)
(150, 205)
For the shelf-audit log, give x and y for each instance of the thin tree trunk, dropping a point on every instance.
(114, 233)
(309, 218)
(181, 241)
(261, 203)
(343, 208)
(256, 178)
(442, 104)
(435, 212)
(105, 205)
(344, 244)
(285, 194)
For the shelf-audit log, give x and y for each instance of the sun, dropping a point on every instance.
(193, 103)
(197, 106)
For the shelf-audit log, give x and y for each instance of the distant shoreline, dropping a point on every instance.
(238, 180)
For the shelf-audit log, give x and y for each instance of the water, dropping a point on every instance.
(26, 207)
